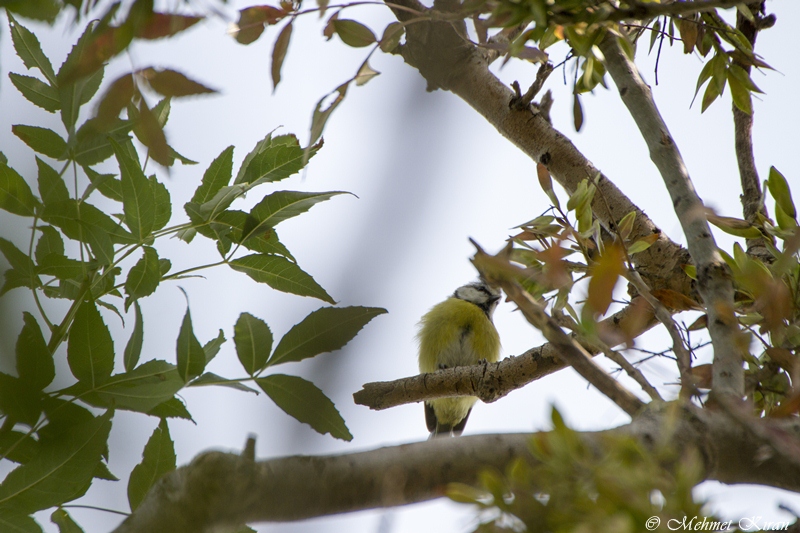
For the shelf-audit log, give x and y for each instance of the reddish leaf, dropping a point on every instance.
(675, 301)
(105, 45)
(688, 31)
(160, 25)
(172, 83)
(785, 359)
(788, 407)
(545, 181)
(117, 96)
(703, 376)
(636, 320)
(150, 133)
(252, 20)
(279, 53)
(330, 29)
(605, 273)
(555, 271)
(700, 323)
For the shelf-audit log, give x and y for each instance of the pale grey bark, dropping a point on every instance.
(713, 276)
(219, 491)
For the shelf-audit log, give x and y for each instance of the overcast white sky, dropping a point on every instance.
(429, 173)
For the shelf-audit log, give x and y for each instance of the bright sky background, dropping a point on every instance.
(429, 172)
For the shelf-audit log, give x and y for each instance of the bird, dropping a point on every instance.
(457, 332)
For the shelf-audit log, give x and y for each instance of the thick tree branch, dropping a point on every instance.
(492, 381)
(447, 61)
(714, 281)
(219, 491)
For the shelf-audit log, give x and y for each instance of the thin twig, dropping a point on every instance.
(496, 270)
(629, 369)
(678, 345)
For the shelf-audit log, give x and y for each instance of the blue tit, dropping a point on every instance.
(457, 332)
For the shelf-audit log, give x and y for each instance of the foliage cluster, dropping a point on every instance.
(570, 487)
(55, 428)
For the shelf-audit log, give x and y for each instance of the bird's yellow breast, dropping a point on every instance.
(456, 333)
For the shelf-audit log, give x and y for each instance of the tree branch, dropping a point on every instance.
(714, 281)
(220, 490)
(752, 197)
(499, 271)
(492, 381)
(447, 61)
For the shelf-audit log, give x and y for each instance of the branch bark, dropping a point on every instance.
(220, 491)
(492, 381)
(448, 61)
(714, 280)
(752, 196)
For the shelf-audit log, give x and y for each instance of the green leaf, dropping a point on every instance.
(191, 357)
(711, 94)
(19, 400)
(219, 203)
(138, 197)
(105, 183)
(64, 521)
(158, 458)
(217, 176)
(93, 143)
(274, 159)
(320, 116)
(172, 408)
(779, 189)
(141, 389)
(302, 400)
(324, 330)
(50, 242)
(144, 276)
(267, 243)
(391, 37)
(365, 73)
(163, 204)
(99, 241)
(42, 140)
(90, 351)
(18, 260)
(73, 217)
(740, 94)
(51, 185)
(89, 86)
(35, 365)
(15, 195)
(211, 348)
(77, 75)
(354, 33)
(61, 471)
(37, 92)
(253, 340)
(209, 378)
(134, 347)
(13, 521)
(61, 267)
(279, 206)
(279, 53)
(18, 446)
(280, 274)
(29, 50)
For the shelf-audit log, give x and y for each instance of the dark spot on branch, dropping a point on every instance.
(546, 158)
